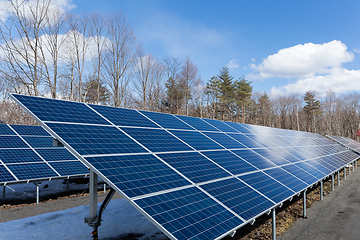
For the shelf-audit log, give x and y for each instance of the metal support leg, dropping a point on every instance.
(353, 166)
(104, 187)
(3, 195)
(273, 224)
(92, 199)
(304, 207)
(68, 184)
(345, 173)
(321, 190)
(37, 193)
(332, 182)
(338, 178)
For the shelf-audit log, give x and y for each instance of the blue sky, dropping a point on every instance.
(282, 46)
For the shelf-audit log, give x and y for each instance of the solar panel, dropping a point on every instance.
(346, 142)
(193, 178)
(27, 154)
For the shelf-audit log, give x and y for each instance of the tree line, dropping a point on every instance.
(96, 58)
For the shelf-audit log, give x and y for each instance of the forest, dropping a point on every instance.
(96, 58)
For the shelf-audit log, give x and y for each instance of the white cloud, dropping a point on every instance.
(339, 80)
(232, 64)
(253, 59)
(303, 61)
(356, 50)
(56, 7)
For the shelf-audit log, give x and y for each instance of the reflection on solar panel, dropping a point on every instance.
(193, 178)
(346, 142)
(27, 154)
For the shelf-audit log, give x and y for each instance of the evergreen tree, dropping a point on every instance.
(226, 91)
(213, 90)
(242, 94)
(311, 108)
(95, 92)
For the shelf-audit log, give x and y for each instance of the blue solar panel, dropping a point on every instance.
(39, 142)
(124, 117)
(187, 185)
(12, 142)
(89, 139)
(248, 142)
(32, 171)
(239, 127)
(254, 158)
(284, 154)
(137, 175)
(316, 164)
(287, 179)
(19, 155)
(157, 140)
(189, 214)
(198, 123)
(267, 186)
(271, 156)
(310, 169)
(24, 130)
(230, 162)
(225, 140)
(56, 154)
(197, 140)
(68, 168)
(6, 130)
(300, 173)
(62, 111)
(5, 175)
(194, 166)
(222, 126)
(239, 197)
(167, 120)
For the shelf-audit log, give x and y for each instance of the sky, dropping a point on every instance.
(281, 46)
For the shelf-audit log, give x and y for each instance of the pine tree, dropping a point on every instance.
(226, 91)
(311, 108)
(242, 94)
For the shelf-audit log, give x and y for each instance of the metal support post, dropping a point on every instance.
(338, 178)
(93, 184)
(321, 190)
(104, 187)
(37, 192)
(3, 195)
(345, 173)
(273, 224)
(68, 184)
(353, 166)
(304, 207)
(332, 182)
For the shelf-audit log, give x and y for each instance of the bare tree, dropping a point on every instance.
(21, 43)
(188, 76)
(121, 51)
(148, 81)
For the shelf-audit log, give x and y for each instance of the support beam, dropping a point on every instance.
(332, 182)
(273, 224)
(92, 198)
(304, 204)
(338, 178)
(321, 190)
(104, 187)
(345, 173)
(3, 195)
(37, 192)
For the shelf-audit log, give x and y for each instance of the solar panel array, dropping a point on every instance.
(193, 178)
(27, 154)
(346, 142)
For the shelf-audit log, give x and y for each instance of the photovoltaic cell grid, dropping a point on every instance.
(193, 178)
(27, 154)
(346, 142)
